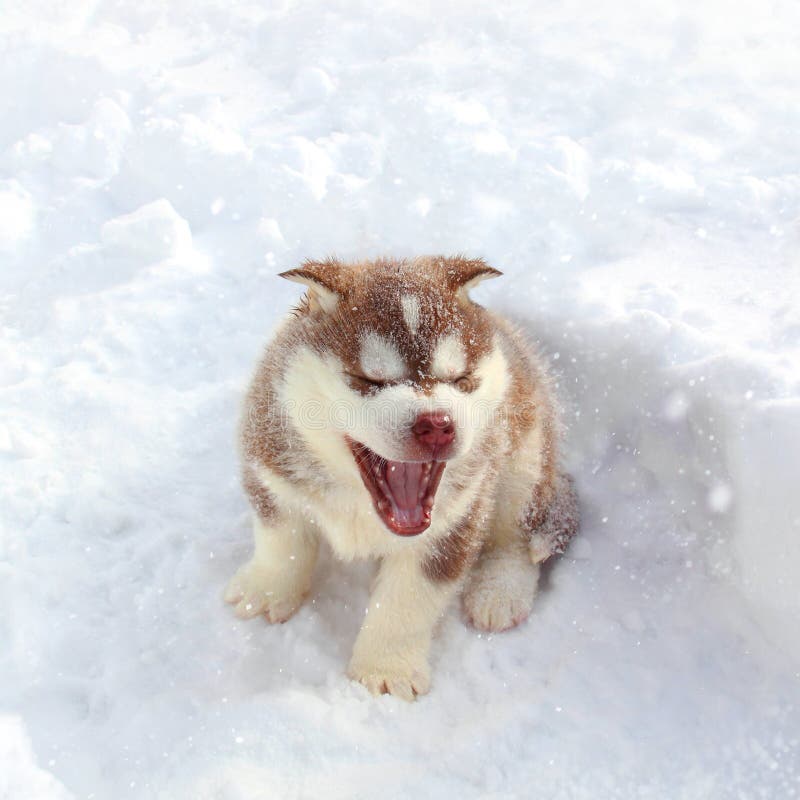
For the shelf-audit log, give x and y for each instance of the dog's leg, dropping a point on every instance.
(391, 651)
(503, 585)
(409, 596)
(277, 578)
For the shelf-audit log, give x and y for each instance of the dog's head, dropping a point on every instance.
(396, 362)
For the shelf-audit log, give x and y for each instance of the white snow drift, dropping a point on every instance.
(632, 170)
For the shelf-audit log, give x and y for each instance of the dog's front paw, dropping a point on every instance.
(256, 589)
(402, 679)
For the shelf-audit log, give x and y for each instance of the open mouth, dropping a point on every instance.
(402, 491)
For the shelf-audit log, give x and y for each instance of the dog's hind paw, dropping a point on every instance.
(501, 590)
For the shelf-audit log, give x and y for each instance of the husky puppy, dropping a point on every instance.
(399, 420)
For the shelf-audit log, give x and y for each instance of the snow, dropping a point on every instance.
(633, 172)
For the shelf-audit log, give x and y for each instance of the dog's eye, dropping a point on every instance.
(464, 384)
(362, 382)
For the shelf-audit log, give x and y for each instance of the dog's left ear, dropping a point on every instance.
(321, 278)
(466, 274)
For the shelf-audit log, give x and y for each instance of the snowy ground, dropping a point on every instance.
(632, 169)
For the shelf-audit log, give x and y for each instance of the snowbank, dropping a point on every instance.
(632, 171)
(21, 777)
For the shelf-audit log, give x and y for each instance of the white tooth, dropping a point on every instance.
(393, 467)
(423, 486)
(383, 505)
(427, 502)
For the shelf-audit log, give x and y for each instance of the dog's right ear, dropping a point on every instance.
(321, 279)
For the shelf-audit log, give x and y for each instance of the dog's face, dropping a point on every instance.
(399, 364)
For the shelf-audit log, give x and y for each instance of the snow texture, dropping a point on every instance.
(633, 170)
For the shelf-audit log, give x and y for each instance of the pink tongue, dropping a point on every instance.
(405, 481)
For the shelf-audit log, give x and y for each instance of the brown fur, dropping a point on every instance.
(553, 519)
(552, 511)
(265, 437)
(260, 497)
(454, 554)
(363, 289)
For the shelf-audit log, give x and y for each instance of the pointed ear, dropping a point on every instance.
(320, 278)
(466, 274)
